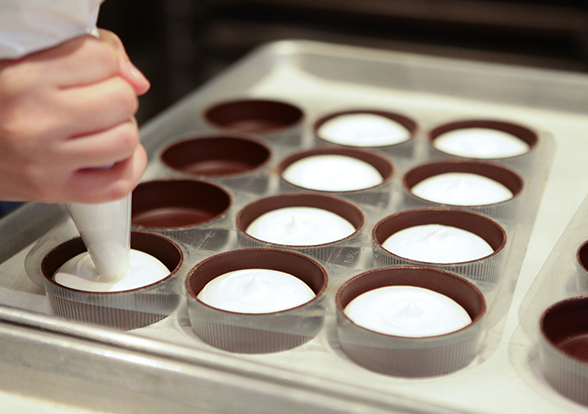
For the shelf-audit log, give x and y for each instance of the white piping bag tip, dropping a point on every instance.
(106, 231)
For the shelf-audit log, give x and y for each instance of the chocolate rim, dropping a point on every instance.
(565, 320)
(165, 250)
(335, 205)
(524, 134)
(220, 155)
(303, 267)
(582, 256)
(176, 193)
(500, 174)
(405, 121)
(254, 115)
(482, 226)
(379, 162)
(465, 293)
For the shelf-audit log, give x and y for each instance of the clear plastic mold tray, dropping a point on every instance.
(166, 367)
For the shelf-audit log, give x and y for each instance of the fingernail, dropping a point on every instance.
(136, 73)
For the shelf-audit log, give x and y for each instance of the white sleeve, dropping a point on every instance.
(27, 26)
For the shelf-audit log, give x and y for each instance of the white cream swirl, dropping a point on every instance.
(407, 311)
(255, 291)
(363, 130)
(436, 243)
(332, 173)
(300, 226)
(481, 143)
(463, 189)
(80, 273)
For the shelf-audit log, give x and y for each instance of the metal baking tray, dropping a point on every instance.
(156, 369)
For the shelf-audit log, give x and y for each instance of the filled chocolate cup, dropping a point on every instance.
(401, 148)
(486, 269)
(262, 332)
(524, 134)
(126, 309)
(378, 195)
(508, 178)
(339, 251)
(181, 209)
(406, 356)
(254, 115)
(564, 347)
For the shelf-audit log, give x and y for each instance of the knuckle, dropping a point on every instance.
(22, 136)
(15, 132)
(126, 100)
(41, 188)
(10, 80)
(127, 139)
(107, 57)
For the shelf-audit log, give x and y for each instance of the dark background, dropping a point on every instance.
(181, 43)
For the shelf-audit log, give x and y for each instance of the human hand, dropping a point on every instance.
(64, 113)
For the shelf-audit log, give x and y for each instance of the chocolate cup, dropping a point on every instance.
(524, 134)
(216, 156)
(564, 347)
(404, 148)
(123, 310)
(339, 251)
(256, 333)
(498, 173)
(254, 115)
(378, 195)
(582, 260)
(180, 209)
(176, 204)
(486, 269)
(412, 357)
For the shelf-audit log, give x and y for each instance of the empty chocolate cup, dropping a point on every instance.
(485, 269)
(524, 134)
(279, 121)
(511, 180)
(582, 261)
(249, 332)
(123, 310)
(378, 195)
(190, 211)
(564, 347)
(404, 148)
(404, 356)
(234, 161)
(343, 251)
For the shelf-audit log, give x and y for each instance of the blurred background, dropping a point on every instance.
(179, 44)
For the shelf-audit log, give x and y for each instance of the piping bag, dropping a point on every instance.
(105, 229)
(27, 26)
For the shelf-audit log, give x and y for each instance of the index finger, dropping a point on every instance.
(80, 61)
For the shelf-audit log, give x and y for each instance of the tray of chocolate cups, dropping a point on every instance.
(341, 220)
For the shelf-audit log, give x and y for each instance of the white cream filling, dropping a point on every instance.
(363, 130)
(481, 143)
(332, 173)
(407, 311)
(463, 189)
(300, 226)
(436, 243)
(255, 291)
(80, 273)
